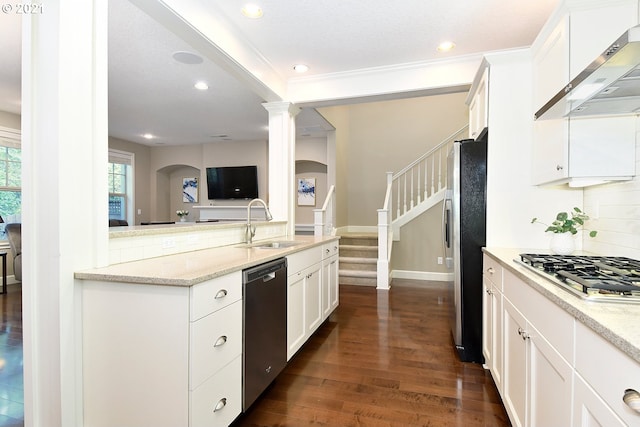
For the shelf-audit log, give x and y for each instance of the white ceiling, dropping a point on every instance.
(150, 92)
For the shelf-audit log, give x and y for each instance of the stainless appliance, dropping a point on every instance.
(593, 278)
(464, 234)
(265, 327)
(609, 85)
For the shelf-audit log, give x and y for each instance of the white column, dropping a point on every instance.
(64, 198)
(282, 162)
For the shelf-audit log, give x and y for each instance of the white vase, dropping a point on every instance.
(183, 219)
(563, 243)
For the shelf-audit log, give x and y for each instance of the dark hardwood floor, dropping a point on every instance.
(11, 386)
(382, 359)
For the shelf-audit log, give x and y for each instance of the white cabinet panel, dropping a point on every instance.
(589, 410)
(296, 331)
(218, 401)
(514, 381)
(215, 340)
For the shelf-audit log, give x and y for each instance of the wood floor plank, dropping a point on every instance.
(384, 358)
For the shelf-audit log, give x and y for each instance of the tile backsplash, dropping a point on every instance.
(615, 213)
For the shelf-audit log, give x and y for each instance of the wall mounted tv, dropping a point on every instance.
(232, 182)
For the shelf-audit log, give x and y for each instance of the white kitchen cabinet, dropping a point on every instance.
(478, 102)
(588, 150)
(608, 385)
(190, 337)
(312, 290)
(492, 319)
(514, 383)
(330, 287)
(529, 346)
(577, 151)
(589, 410)
(551, 64)
(537, 380)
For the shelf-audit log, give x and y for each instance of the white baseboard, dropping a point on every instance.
(422, 275)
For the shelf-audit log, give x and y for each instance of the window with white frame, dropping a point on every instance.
(121, 185)
(10, 179)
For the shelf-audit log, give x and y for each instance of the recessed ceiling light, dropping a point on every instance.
(201, 85)
(147, 136)
(252, 11)
(446, 46)
(300, 68)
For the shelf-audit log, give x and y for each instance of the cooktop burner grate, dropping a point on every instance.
(591, 277)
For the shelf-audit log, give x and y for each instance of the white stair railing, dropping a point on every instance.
(324, 219)
(408, 188)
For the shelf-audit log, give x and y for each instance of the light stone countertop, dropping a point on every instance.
(190, 268)
(179, 227)
(618, 323)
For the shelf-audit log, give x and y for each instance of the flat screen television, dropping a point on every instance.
(232, 182)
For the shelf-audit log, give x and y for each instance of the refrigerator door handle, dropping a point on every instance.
(446, 237)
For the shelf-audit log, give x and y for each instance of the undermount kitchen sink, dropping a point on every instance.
(275, 245)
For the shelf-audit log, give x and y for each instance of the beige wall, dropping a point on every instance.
(374, 138)
(10, 120)
(386, 136)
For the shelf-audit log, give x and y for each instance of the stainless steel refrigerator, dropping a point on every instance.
(464, 234)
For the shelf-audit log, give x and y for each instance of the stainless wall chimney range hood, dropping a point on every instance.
(610, 85)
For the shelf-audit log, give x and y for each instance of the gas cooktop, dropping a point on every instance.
(594, 278)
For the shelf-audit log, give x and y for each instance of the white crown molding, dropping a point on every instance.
(378, 81)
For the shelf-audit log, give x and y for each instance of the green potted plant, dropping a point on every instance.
(564, 228)
(182, 214)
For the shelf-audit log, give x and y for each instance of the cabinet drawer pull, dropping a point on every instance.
(220, 341)
(220, 405)
(631, 398)
(221, 294)
(520, 331)
(327, 250)
(559, 167)
(490, 270)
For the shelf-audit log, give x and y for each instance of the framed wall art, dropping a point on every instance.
(190, 190)
(306, 191)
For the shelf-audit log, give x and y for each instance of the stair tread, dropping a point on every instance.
(360, 247)
(357, 260)
(358, 273)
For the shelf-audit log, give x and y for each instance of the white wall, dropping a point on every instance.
(615, 213)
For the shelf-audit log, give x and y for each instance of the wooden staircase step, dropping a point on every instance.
(358, 263)
(359, 251)
(357, 277)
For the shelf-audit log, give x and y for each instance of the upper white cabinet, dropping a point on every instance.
(580, 151)
(584, 151)
(478, 102)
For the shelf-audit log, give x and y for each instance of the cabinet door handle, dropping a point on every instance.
(327, 250)
(520, 331)
(220, 341)
(631, 398)
(490, 270)
(221, 294)
(559, 167)
(220, 405)
(525, 336)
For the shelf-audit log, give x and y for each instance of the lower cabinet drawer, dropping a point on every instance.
(608, 371)
(218, 401)
(215, 340)
(215, 294)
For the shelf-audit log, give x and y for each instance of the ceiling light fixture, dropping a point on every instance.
(252, 11)
(301, 68)
(201, 85)
(147, 136)
(446, 46)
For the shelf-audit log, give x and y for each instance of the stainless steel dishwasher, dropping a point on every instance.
(265, 327)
